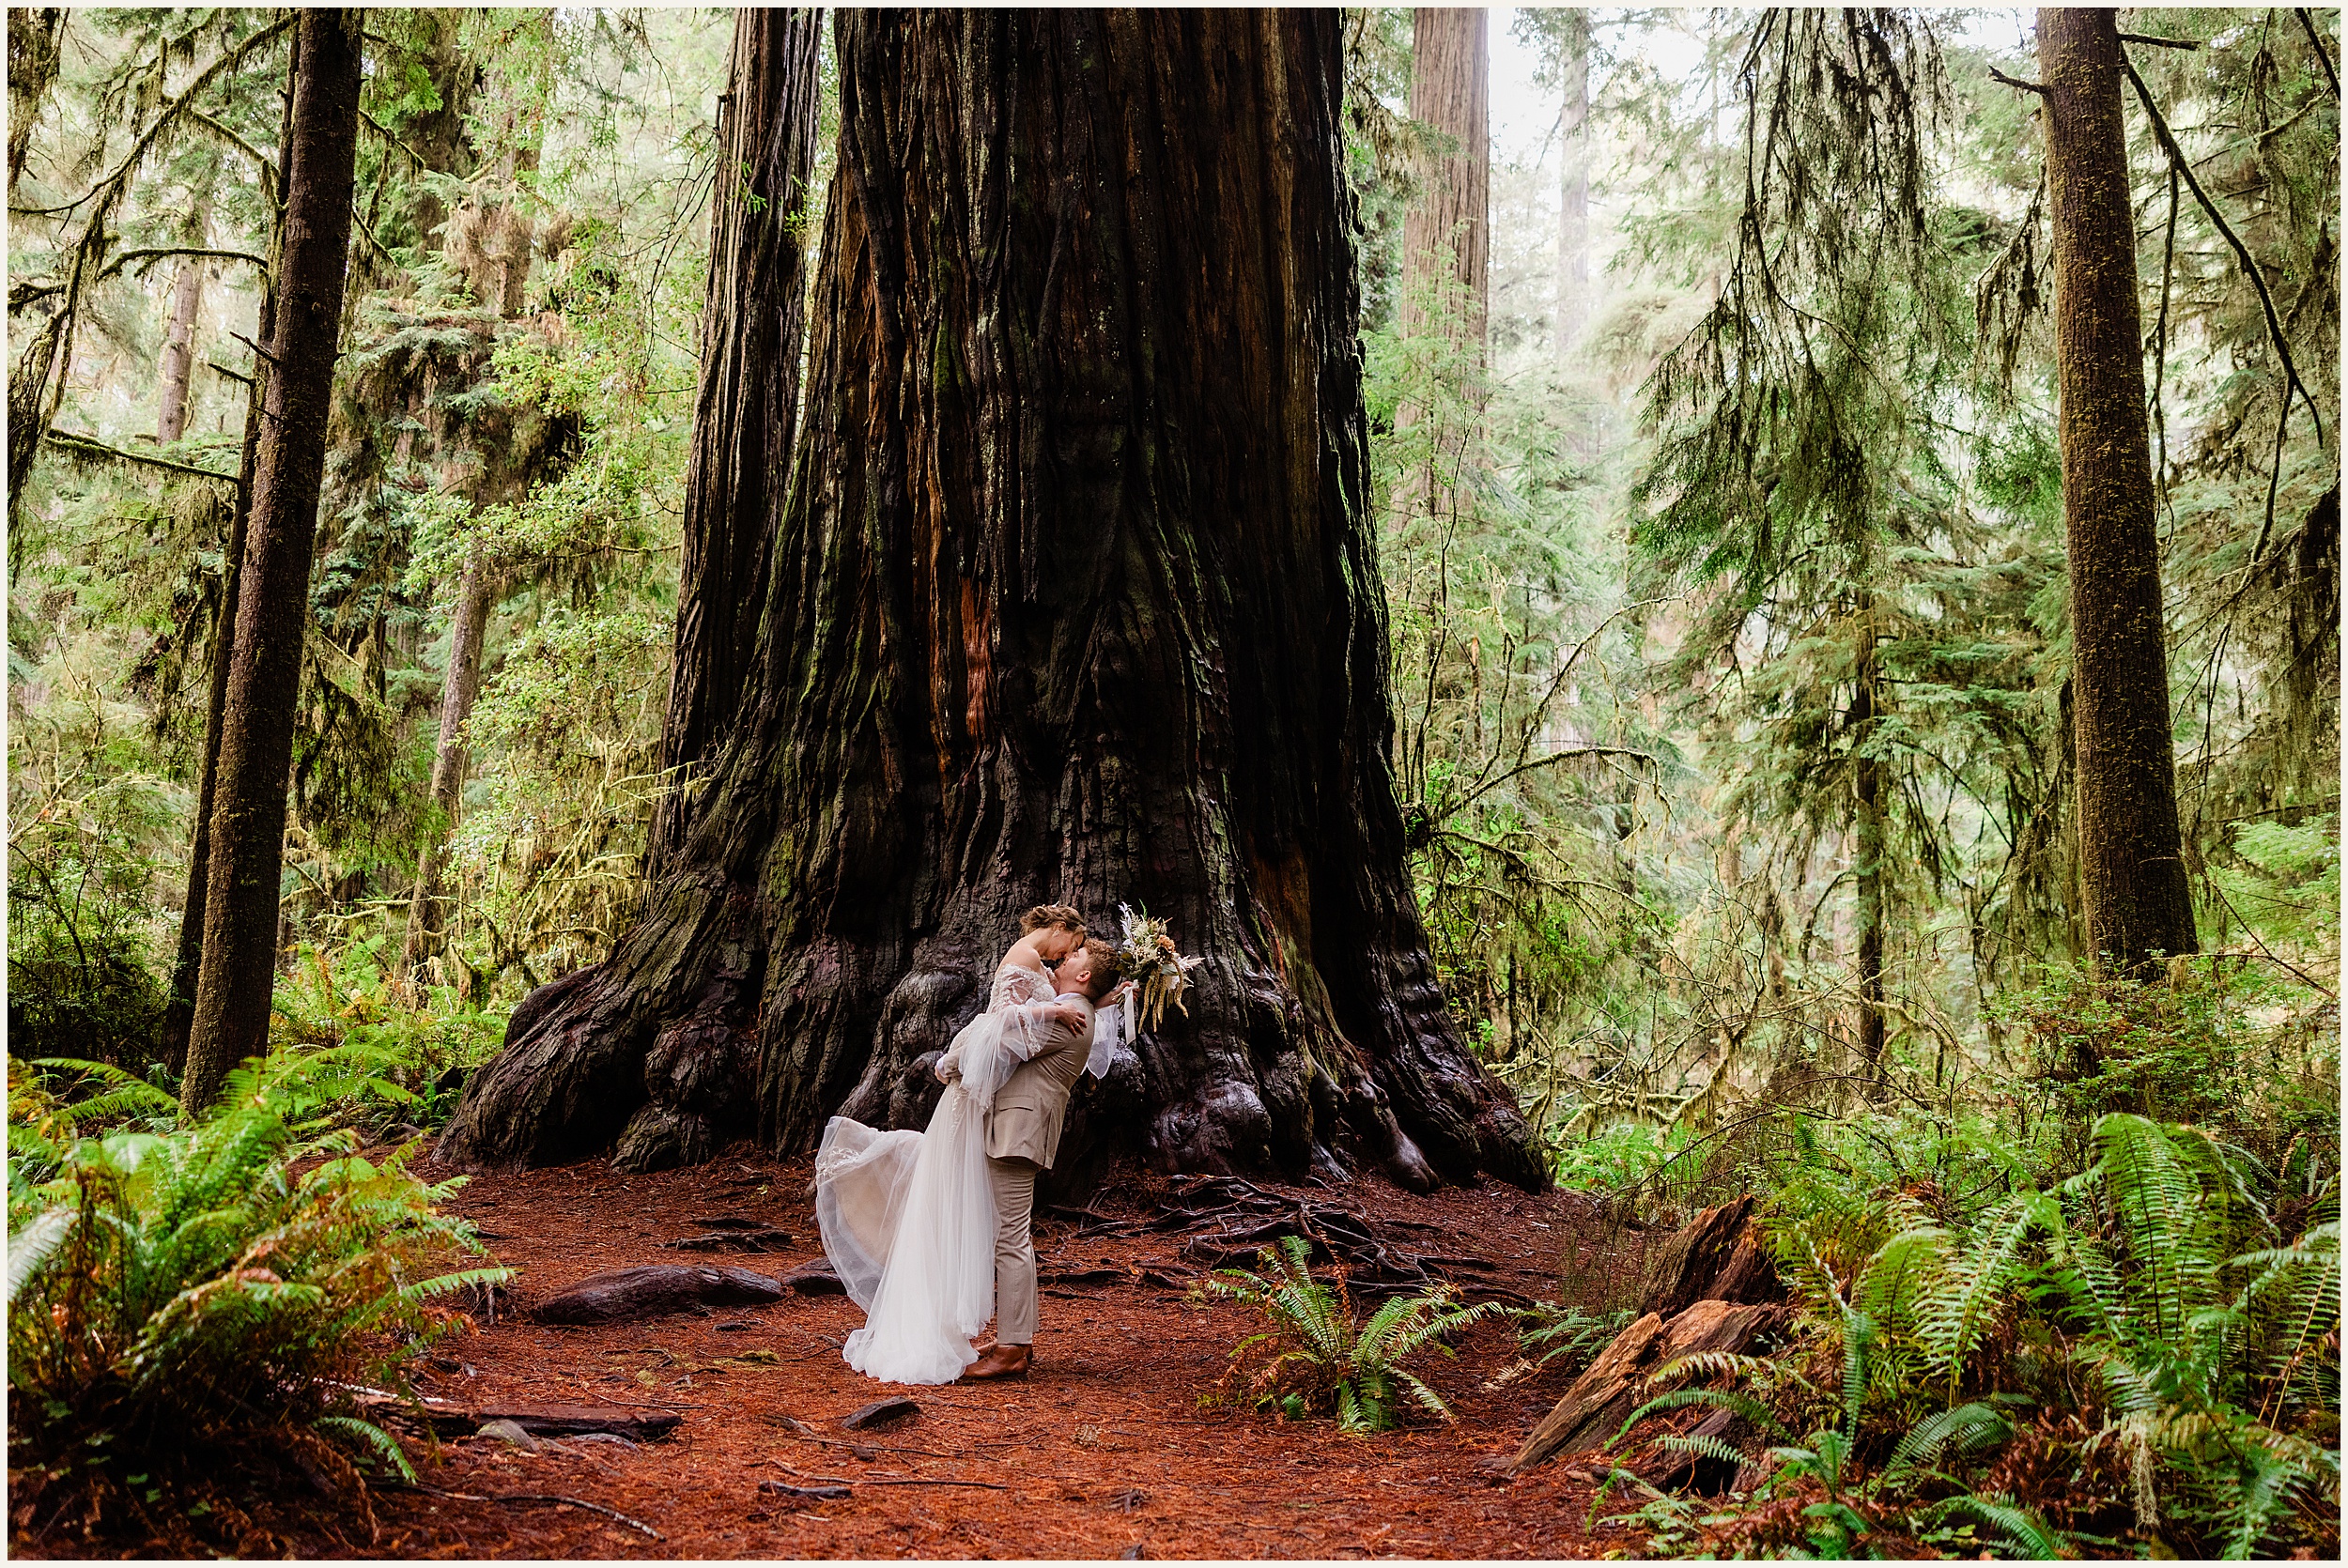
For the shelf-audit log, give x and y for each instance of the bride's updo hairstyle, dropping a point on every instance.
(1050, 916)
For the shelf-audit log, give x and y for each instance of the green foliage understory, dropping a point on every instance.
(2143, 1356)
(189, 1305)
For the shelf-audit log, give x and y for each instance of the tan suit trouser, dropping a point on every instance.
(1014, 1248)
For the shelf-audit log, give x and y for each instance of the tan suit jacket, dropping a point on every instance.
(1024, 1122)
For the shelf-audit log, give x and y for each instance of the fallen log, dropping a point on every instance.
(734, 1240)
(1603, 1397)
(1715, 1256)
(655, 1290)
(814, 1279)
(447, 1419)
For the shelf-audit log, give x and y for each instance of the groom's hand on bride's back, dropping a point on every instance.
(949, 1069)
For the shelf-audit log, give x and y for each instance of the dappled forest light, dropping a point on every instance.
(1753, 673)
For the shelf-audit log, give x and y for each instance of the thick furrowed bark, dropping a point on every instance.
(750, 386)
(1073, 598)
(2137, 896)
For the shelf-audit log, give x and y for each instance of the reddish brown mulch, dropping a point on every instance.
(1105, 1452)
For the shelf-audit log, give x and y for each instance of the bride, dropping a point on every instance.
(908, 1218)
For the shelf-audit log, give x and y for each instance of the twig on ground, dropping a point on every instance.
(536, 1496)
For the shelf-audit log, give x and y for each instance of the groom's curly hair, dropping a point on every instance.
(1044, 917)
(1106, 969)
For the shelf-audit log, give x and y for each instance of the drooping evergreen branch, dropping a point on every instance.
(89, 447)
(2249, 264)
(124, 259)
(228, 138)
(168, 115)
(2183, 165)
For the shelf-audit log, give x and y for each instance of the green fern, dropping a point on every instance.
(370, 1439)
(1966, 1429)
(1312, 1340)
(171, 1288)
(2028, 1535)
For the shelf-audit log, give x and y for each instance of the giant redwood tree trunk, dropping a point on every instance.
(747, 407)
(2137, 901)
(248, 821)
(1072, 597)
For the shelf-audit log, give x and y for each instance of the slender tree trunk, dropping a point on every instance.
(1446, 233)
(187, 296)
(180, 1010)
(1573, 190)
(248, 825)
(1868, 786)
(34, 32)
(745, 416)
(2137, 899)
(1073, 596)
(460, 685)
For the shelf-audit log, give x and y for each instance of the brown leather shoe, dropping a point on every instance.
(1001, 1360)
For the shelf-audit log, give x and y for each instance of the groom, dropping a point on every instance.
(1022, 1135)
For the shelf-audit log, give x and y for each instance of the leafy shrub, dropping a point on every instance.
(174, 1297)
(82, 979)
(1313, 1358)
(1617, 1157)
(393, 1066)
(2249, 1053)
(2147, 1307)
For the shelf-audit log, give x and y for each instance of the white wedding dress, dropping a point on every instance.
(908, 1218)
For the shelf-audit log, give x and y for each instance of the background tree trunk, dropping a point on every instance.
(187, 296)
(34, 34)
(1868, 782)
(747, 407)
(1072, 597)
(1450, 87)
(179, 1008)
(1574, 188)
(460, 683)
(488, 240)
(247, 826)
(2137, 901)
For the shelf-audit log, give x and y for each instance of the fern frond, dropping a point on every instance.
(370, 1439)
(33, 1246)
(2030, 1535)
(1703, 1448)
(1967, 1429)
(463, 1279)
(1424, 1394)
(1742, 1404)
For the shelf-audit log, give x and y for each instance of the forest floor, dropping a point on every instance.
(1105, 1452)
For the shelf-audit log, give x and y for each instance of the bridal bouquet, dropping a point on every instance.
(1160, 974)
